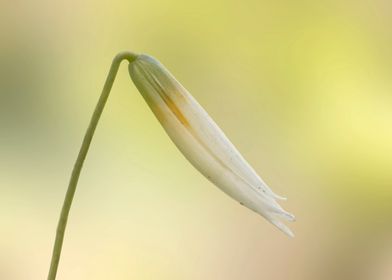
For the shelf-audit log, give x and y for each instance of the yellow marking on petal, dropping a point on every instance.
(165, 97)
(176, 111)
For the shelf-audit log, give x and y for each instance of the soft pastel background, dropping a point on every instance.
(302, 88)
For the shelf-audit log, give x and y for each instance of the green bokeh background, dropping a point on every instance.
(302, 88)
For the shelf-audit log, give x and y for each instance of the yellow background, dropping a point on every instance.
(302, 88)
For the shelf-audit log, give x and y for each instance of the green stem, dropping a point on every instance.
(80, 159)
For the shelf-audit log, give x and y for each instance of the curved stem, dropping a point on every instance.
(62, 223)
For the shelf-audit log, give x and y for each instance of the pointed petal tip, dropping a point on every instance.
(276, 209)
(279, 197)
(283, 228)
(290, 234)
(288, 216)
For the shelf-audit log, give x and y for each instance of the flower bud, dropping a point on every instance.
(202, 142)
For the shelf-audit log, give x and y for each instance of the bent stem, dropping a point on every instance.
(62, 223)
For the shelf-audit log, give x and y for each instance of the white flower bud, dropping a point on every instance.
(202, 142)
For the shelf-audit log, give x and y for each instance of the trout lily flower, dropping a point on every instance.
(202, 142)
(194, 133)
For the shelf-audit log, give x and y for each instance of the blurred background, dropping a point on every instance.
(302, 88)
